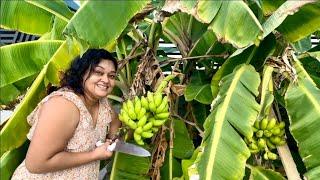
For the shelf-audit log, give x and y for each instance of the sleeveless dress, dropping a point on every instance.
(84, 139)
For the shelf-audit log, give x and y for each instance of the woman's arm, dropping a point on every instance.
(114, 125)
(57, 122)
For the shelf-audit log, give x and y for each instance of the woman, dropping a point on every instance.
(67, 123)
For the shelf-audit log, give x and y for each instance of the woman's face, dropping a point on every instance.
(101, 80)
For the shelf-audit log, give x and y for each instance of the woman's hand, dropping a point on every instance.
(101, 152)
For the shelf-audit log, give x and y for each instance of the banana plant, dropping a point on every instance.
(241, 62)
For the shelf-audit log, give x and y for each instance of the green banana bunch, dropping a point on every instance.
(144, 115)
(268, 134)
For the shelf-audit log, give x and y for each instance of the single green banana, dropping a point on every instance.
(152, 107)
(166, 109)
(261, 143)
(272, 156)
(253, 146)
(144, 103)
(282, 125)
(146, 134)
(136, 137)
(124, 106)
(137, 105)
(131, 112)
(257, 124)
(142, 121)
(276, 131)
(270, 145)
(282, 132)
(125, 117)
(142, 112)
(158, 122)
(138, 130)
(267, 133)
(264, 123)
(275, 140)
(141, 143)
(132, 124)
(121, 117)
(259, 134)
(252, 151)
(150, 97)
(157, 99)
(147, 126)
(162, 85)
(154, 129)
(162, 116)
(162, 106)
(272, 122)
(282, 142)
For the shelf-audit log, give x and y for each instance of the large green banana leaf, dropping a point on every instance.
(100, 23)
(302, 45)
(61, 62)
(302, 73)
(61, 19)
(315, 52)
(56, 7)
(198, 90)
(253, 55)
(188, 169)
(224, 153)
(182, 143)
(311, 64)
(247, 29)
(11, 91)
(45, 8)
(208, 44)
(23, 61)
(207, 10)
(8, 93)
(57, 29)
(280, 15)
(129, 167)
(10, 160)
(177, 28)
(268, 7)
(22, 16)
(303, 106)
(266, 49)
(238, 57)
(260, 173)
(302, 23)
(204, 45)
(13, 134)
(241, 28)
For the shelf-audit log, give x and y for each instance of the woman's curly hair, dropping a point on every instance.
(73, 77)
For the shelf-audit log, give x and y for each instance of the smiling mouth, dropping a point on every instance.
(104, 87)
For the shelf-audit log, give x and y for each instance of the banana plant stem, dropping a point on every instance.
(285, 155)
(171, 147)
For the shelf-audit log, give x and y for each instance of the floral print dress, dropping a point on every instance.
(83, 140)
